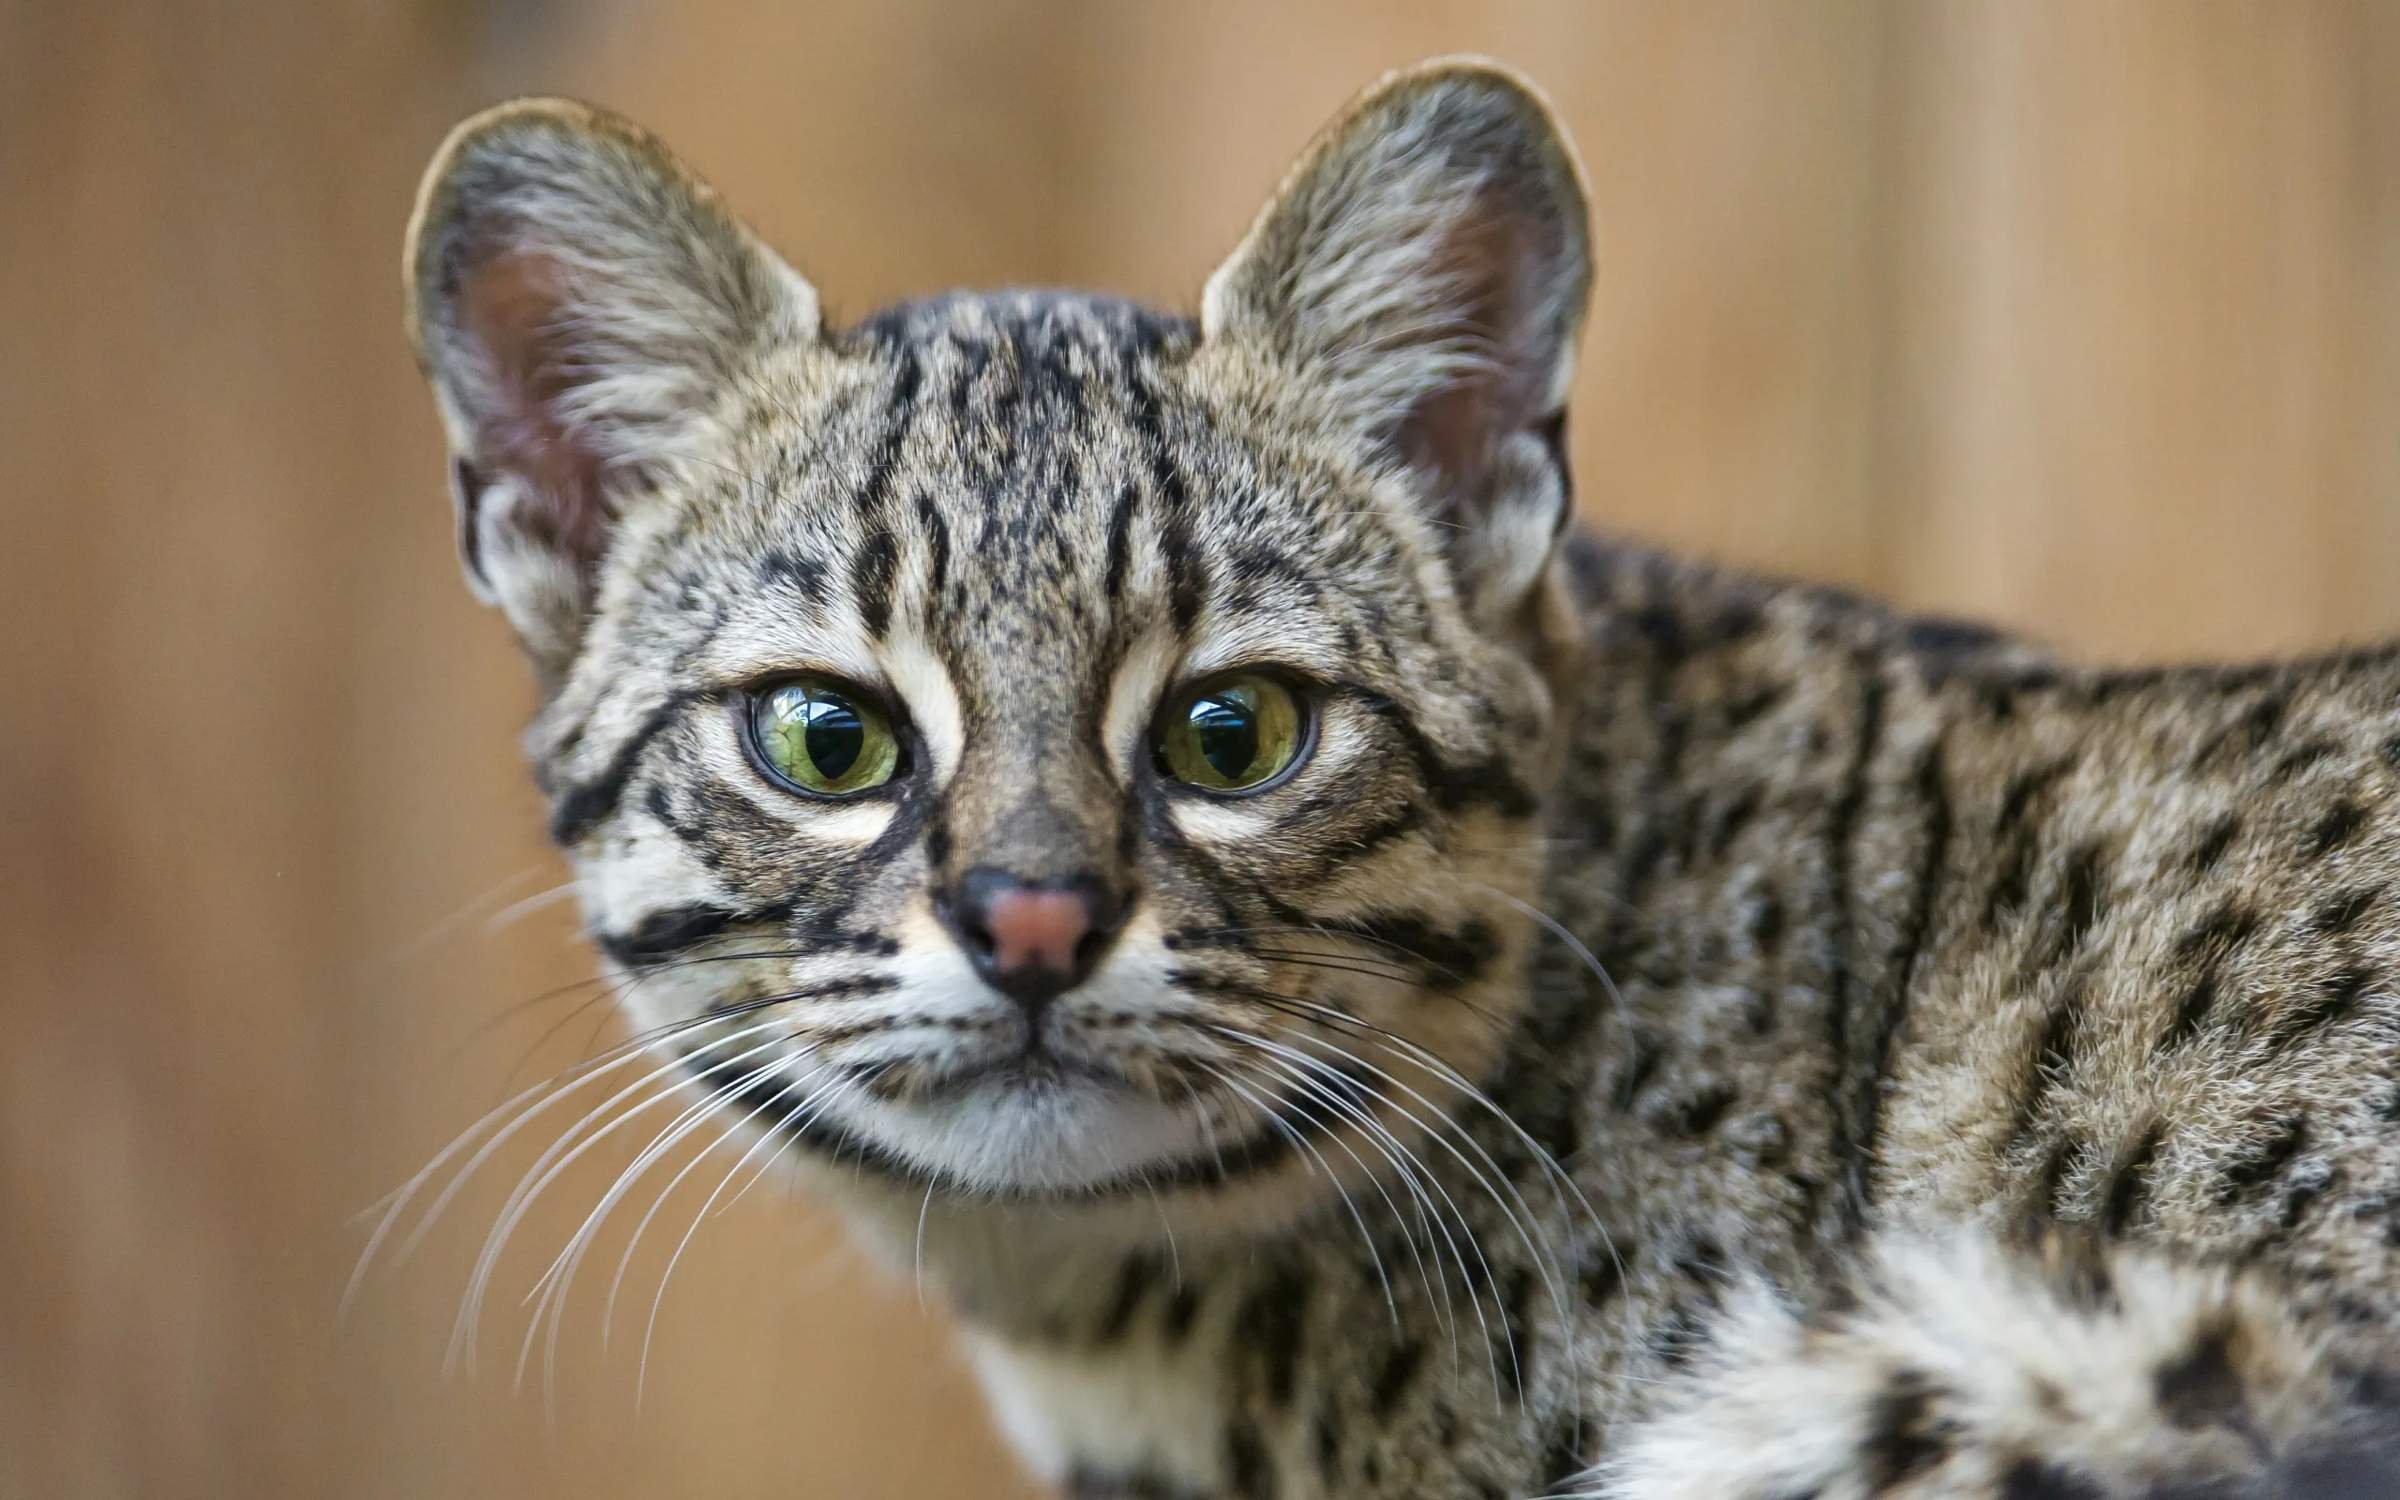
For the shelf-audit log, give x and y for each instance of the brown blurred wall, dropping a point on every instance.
(2082, 317)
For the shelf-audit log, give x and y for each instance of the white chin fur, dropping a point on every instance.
(1049, 1137)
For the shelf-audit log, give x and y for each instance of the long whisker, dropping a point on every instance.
(813, 1103)
(633, 1242)
(557, 1281)
(1404, 1165)
(556, 1159)
(1466, 1225)
(557, 1087)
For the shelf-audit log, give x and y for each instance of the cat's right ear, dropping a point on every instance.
(580, 302)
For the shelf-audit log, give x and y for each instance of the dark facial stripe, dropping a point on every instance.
(886, 458)
(1490, 783)
(583, 805)
(937, 568)
(1186, 573)
(1120, 541)
(873, 570)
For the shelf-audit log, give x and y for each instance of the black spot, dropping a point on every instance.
(802, 574)
(1678, 1337)
(2322, 1004)
(2200, 1387)
(1698, 1112)
(1328, 1433)
(1393, 1377)
(2246, 734)
(2034, 1479)
(1905, 1436)
(2081, 888)
(2305, 1184)
(1562, 1454)
(2215, 842)
(2264, 1160)
(1185, 570)
(2340, 912)
(1732, 818)
(1246, 1466)
(1601, 1276)
(2338, 826)
(2191, 1013)
(1182, 1308)
(1134, 1280)
(2023, 788)
(2053, 1054)
(1637, 1072)
(1748, 706)
(1766, 922)
(1841, 857)
(2225, 928)
(1938, 636)
(1269, 1327)
(2129, 1181)
(2301, 758)
(1514, 1336)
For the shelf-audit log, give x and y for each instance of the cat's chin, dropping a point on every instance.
(1056, 1135)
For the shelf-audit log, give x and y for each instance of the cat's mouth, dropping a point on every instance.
(1034, 1066)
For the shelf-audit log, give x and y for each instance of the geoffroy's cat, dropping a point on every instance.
(1346, 984)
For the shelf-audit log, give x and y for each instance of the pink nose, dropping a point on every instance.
(1032, 940)
(1037, 929)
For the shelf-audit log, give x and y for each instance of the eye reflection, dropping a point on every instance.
(822, 737)
(1231, 735)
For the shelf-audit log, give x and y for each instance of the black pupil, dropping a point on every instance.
(834, 736)
(1226, 727)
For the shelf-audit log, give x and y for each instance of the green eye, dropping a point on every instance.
(823, 737)
(1232, 734)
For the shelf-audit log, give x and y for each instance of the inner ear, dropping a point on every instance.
(511, 306)
(1452, 427)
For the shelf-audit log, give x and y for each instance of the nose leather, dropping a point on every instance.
(1032, 940)
(1037, 929)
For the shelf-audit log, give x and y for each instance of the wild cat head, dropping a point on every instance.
(1026, 745)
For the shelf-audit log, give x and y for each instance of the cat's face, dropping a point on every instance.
(1023, 745)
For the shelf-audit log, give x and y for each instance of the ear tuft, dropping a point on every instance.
(1426, 264)
(580, 302)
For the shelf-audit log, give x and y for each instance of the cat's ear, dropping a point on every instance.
(580, 303)
(1426, 266)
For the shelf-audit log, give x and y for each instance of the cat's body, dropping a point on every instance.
(1653, 1033)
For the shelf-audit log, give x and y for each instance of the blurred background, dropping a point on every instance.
(2085, 318)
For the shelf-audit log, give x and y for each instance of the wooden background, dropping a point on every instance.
(2084, 317)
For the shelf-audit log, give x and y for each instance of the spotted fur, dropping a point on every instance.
(1675, 1035)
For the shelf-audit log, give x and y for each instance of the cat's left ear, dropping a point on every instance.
(1426, 266)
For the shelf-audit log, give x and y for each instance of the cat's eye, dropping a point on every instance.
(1233, 734)
(822, 737)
